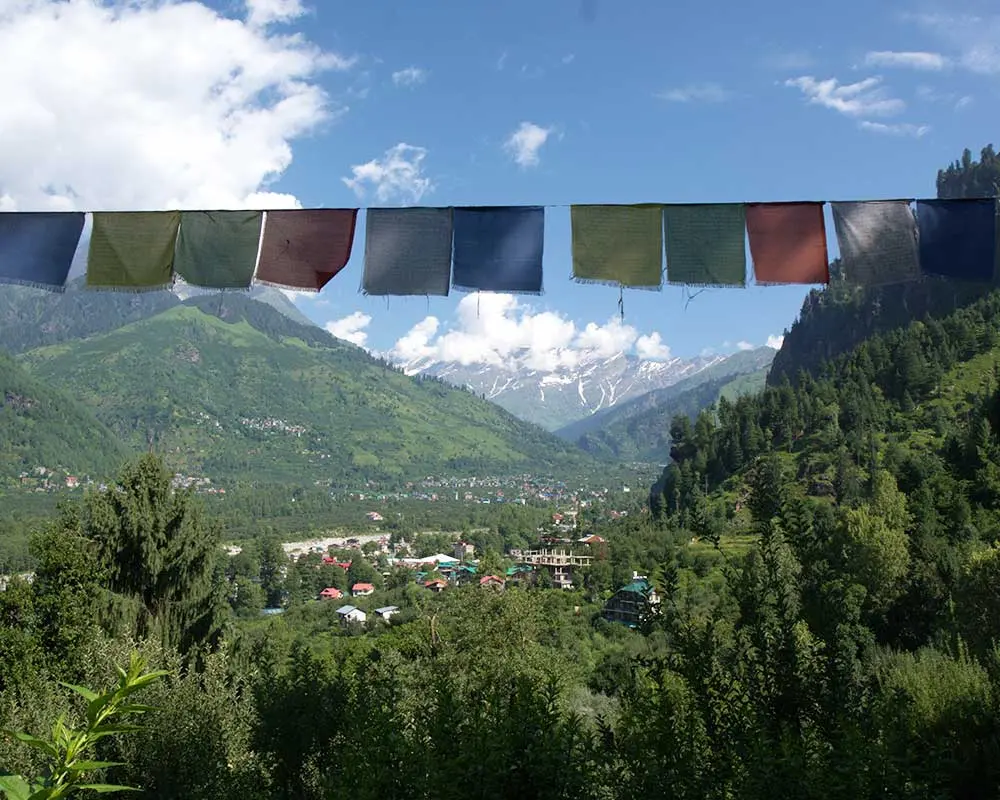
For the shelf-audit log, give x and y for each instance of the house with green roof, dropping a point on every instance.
(632, 602)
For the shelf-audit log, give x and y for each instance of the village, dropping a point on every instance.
(555, 562)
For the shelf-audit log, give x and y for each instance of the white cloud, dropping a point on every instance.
(397, 176)
(568, 58)
(895, 129)
(975, 37)
(864, 98)
(416, 344)
(266, 12)
(696, 93)
(497, 330)
(744, 345)
(351, 328)
(152, 105)
(410, 76)
(774, 342)
(652, 348)
(934, 62)
(524, 143)
(932, 95)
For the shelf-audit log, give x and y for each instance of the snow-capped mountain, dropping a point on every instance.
(557, 398)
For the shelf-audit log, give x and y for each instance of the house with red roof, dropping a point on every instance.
(362, 589)
(331, 593)
(436, 585)
(493, 581)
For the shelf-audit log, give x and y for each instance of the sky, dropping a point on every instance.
(288, 103)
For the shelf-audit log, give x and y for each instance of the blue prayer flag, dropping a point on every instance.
(957, 238)
(499, 249)
(36, 248)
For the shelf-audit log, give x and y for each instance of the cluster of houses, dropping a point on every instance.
(44, 479)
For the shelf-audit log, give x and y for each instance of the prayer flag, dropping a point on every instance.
(218, 249)
(618, 244)
(958, 238)
(499, 249)
(36, 249)
(304, 249)
(877, 241)
(132, 250)
(706, 244)
(788, 242)
(407, 251)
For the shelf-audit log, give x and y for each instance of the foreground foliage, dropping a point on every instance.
(68, 750)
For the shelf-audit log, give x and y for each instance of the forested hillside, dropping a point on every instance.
(227, 387)
(837, 318)
(43, 427)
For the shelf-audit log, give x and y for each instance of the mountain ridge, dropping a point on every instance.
(556, 398)
(227, 386)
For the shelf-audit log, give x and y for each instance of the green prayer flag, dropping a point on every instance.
(218, 249)
(706, 244)
(619, 245)
(132, 249)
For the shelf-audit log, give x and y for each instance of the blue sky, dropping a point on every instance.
(392, 103)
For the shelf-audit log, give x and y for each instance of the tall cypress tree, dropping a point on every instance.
(160, 555)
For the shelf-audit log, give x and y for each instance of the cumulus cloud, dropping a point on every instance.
(933, 62)
(153, 105)
(744, 345)
(774, 342)
(862, 99)
(524, 143)
(410, 76)
(351, 328)
(497, 330)
(652, 348)
(696, 93)
(397, 176)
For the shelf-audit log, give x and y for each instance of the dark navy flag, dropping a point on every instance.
(957, 238)
(499, 249)
(36, 248)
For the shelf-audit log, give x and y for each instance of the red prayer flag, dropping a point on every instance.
(788, 242)
(304, 248)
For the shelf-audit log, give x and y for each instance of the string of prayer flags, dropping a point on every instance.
(620, 245)
(706, 244)
(132, 250)
(218, 249)
(788, 242)
(407, 251)
(304, 249)
(878, 241)
(499, 249)
(958, 238)
(37, 248)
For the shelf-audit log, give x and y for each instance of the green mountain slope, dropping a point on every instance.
(32, 318)
(838, 318)
(41, 426)
(229, 388)
(639, 430)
